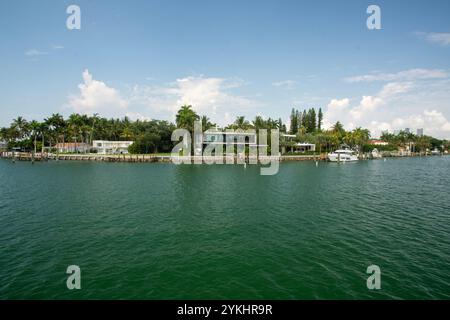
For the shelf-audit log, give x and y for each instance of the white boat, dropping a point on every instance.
(435, 152)
(342, 155)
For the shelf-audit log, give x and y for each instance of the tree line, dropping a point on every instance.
(307, 121)
(150, 136)
(154, 136)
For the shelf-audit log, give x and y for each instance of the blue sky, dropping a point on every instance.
(227, 58)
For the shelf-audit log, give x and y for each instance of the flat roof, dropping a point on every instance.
(305, 144)
(230, 133)
(112, 141)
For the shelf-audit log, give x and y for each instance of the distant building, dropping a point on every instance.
(305, 147)
(72, 147)
(377, 142)
(420, 132)
(407, 130)
(111, 147)
(3, 145)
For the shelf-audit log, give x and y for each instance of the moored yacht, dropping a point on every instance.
(342, 155)
(435, 152)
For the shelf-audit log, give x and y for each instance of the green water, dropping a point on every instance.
(161, 231)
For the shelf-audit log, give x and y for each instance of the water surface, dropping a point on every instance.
(160, 231)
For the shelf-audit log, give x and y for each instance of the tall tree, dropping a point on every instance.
(319, 120)
(281, 125)
(304, 119)
(311, 124)
(294, 121)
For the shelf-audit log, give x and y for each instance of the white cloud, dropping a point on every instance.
(286, 84)
(397, 105)
(406, 75)
(209, 96)
(35, 52)
(351, 116)
(336, 108)
(433, 122)
(96, 97)
(57, 47)
(440, 38)
(339, 104)
(370, 104)
(367, 105)
(394, 88)
(400, 103)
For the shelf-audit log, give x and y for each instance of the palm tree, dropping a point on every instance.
(423, 143)
(4, 134)
(20, 125)
(35, 128)
(333, 139)
(259, 123)
(360, 137)
(206, 123)
(322, 141)
(186, 117)
(241, 123)
(74, 124)
(56, 125)
(127, 133)
(43, 129)
(94, 118)
(74, 128)
(338, 127)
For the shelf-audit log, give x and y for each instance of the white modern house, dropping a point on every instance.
(111, 147)
(226, 139)
(289, 142)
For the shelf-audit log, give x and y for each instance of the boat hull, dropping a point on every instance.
(333, 157)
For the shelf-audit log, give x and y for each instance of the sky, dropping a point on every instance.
(144, 59)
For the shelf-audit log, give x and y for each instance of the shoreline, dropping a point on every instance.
(149, 158)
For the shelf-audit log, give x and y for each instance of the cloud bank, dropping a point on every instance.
(211, 96)
(419, 99)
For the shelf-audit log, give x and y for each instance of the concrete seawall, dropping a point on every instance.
(22, 156)
(140, 158)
